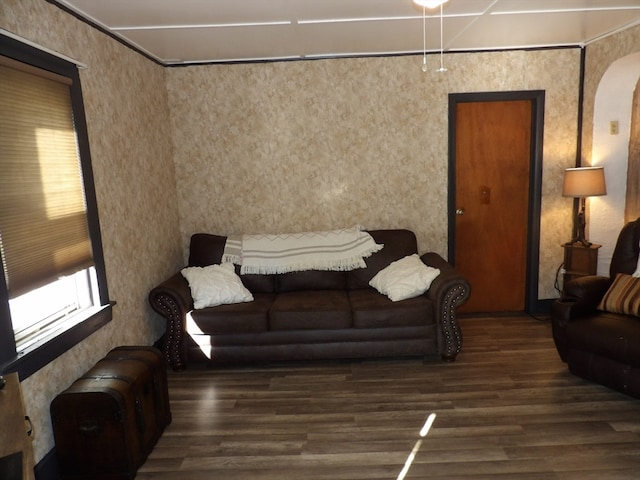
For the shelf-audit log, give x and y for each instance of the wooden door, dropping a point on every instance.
(493, 151)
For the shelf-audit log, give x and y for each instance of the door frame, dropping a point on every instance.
(537, 98)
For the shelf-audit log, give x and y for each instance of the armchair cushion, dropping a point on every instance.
(623, 296)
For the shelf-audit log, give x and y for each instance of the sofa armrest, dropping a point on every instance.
(579, 300)
(172, 299)
(448, 291)
(587, 291)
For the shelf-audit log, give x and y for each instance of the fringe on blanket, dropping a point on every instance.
(336, 250)
(233, 250)
(343, 265)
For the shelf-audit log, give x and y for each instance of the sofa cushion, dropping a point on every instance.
(305, 310)
(374, 310)
(311, 280)
(252, 317)
(215, 285)
(206, 249)
(404, 278)
(258, 283)
(625, 255)
(397, 244)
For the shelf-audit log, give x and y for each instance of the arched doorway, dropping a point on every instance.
(614, 105)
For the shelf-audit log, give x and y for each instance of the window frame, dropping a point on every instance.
(28, 363)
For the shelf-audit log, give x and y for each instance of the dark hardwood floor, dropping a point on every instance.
(506, 409)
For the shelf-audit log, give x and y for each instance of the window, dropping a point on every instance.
(53, 290)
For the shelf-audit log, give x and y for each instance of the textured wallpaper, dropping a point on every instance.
(599, 56)
(276, 147)
(127, 118)
(324, 144)
(613, 85)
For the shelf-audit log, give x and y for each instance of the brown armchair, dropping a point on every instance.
(596, 341)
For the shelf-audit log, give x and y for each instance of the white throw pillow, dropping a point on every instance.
(215, 285)
(404, 278)
(637, 272)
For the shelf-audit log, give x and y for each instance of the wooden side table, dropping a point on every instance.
(580, 260)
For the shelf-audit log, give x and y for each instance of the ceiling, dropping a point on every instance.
(205, 31)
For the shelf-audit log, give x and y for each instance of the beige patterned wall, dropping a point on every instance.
(126, 108)
(609, 65)
(323, 144)
(599, 56)
(273, 147)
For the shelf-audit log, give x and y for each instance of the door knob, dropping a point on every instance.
(460, 211)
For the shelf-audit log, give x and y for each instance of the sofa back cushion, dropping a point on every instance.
(207, 249)
(625, 255)
(311, 280)
(397, 244)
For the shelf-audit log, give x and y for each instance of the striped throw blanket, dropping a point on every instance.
(341, 250)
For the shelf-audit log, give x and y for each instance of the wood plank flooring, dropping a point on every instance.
(506, 409)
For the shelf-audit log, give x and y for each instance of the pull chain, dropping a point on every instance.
(424, 39)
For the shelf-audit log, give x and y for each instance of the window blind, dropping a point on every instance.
(43, 221)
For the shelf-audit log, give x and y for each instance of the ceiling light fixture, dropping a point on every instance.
(431, 4)
(424, 39)
(441, 69)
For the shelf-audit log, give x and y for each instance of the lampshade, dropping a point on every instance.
(584, 182)
(430, 3)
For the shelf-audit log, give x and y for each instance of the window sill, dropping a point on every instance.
(41, 353)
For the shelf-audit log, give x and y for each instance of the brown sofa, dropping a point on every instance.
(596, 343)
(312, 314)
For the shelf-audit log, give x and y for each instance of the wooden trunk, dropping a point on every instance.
(108, 421)
(153, 358)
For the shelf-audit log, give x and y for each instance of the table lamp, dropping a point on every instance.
(583, 182)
